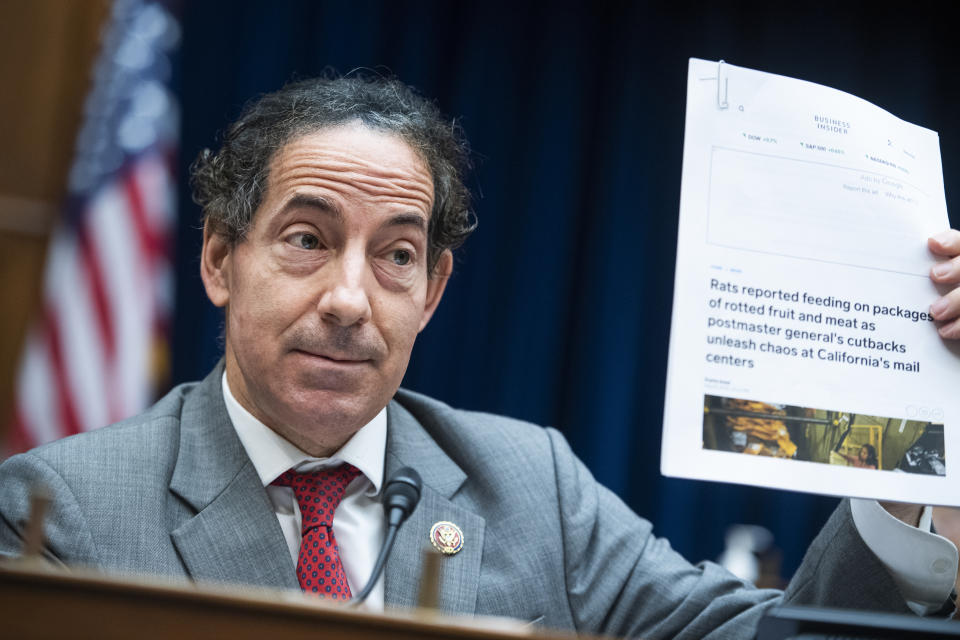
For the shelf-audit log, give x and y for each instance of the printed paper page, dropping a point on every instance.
(802, 354)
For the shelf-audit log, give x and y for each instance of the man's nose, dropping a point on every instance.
(345, 300)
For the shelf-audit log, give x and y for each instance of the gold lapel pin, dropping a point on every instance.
(446, 537)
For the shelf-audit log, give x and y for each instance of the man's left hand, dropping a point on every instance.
(946, 309)
(946, 312)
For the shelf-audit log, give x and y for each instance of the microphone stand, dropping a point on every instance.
(400, 497)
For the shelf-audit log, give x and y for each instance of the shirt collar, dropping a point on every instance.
(272, 454)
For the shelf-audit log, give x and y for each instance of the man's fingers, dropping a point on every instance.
(946, 307)
(946, 312)
(946, 272)
(950, 330)
(946, 243)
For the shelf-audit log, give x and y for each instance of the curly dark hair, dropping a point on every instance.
(230, 183)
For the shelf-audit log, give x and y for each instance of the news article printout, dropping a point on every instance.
(802, 354)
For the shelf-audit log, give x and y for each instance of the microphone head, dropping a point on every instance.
(401, 495)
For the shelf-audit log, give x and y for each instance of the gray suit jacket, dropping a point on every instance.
(172, 492)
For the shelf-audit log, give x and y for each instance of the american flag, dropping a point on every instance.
(99, 345)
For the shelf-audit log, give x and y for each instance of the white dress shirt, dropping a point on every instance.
(358, 524)
(923, 564)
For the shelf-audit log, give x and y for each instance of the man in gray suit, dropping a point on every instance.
(330, 215)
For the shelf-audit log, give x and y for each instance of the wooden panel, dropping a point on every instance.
(46, 51)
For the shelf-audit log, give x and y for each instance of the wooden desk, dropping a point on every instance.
(39, 603)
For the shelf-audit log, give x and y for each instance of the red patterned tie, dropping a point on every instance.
(318, 494)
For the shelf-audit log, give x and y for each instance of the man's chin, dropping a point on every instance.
(321, 428)
(332, 409)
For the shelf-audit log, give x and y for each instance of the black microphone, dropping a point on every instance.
(400, 497)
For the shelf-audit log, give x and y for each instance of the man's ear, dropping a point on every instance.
(215, 265)
(436, 284)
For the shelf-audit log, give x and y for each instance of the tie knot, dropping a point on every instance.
(318, 492)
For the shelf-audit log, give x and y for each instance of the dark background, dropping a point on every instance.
(559, 308)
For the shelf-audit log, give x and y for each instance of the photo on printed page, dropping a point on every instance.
(835, 437)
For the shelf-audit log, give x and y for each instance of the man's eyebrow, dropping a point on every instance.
(302, 200)
(407, 219)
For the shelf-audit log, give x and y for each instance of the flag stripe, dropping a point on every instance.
(35, 392)
(64, 398)
(94, 270)
(131, 297)
(149, 243)
(85, 355)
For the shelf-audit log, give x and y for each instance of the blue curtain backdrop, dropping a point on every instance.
(559, 309)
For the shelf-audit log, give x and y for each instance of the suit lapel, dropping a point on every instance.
(408, 444)
(234, 535)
